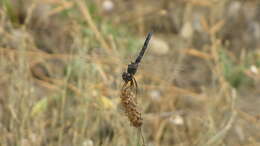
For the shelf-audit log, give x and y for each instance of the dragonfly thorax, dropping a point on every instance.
(132, 68)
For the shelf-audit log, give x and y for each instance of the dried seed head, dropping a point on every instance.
(130, 106)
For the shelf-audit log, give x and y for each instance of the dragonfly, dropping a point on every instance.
(128, 99)
(128, 75)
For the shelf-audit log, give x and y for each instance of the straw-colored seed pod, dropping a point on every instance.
(130, 106)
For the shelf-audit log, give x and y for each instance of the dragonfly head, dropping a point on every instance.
(127, 76)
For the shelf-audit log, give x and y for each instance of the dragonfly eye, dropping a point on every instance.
(126, 76)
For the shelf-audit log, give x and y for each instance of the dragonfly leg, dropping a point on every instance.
(136, 88)
(124, 85)
(136, 85)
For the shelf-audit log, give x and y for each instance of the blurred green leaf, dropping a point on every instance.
(234, 73)
(9, 8)
(39, 107)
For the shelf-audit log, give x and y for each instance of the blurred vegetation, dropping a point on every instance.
(61, 65)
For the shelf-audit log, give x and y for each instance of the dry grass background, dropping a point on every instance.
(61, 64)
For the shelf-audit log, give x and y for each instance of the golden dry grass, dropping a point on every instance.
(61, 65)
